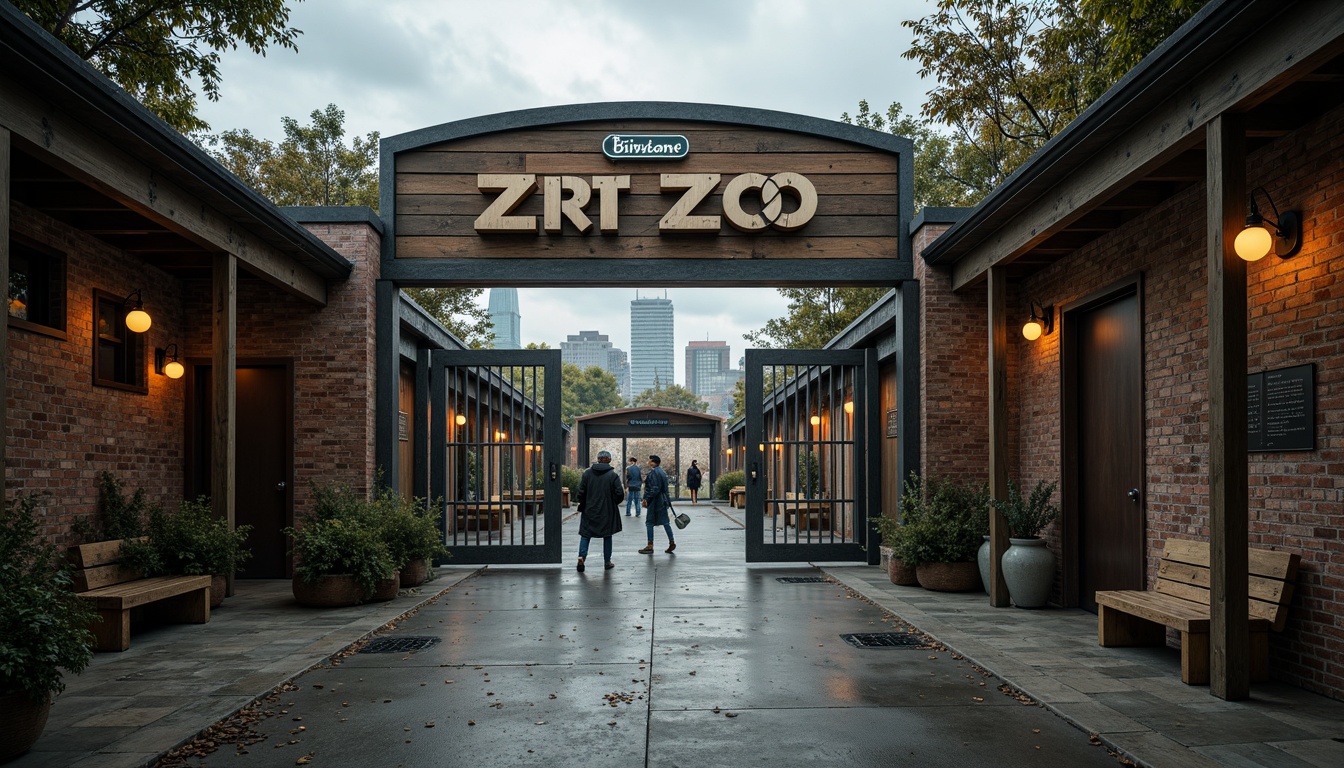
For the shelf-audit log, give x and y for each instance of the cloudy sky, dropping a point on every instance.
(400, 65)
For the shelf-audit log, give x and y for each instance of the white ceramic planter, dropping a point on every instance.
(982, 560)
(1029, 572)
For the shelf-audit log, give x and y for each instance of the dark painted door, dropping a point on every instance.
(1110, 448)
(262, 463)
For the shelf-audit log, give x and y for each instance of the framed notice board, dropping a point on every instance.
(1281, 409)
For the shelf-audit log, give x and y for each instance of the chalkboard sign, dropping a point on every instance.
(1281, 409)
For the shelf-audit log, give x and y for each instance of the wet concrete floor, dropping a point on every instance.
(685, 659)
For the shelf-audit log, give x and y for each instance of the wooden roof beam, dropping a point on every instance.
(87, 157)
(1279, 54)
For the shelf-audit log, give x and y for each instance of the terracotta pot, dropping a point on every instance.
(414, 573)
(24, 720)
(218, 586)
(386, 589)
(901, 574)
(949, 577)
(332, 591)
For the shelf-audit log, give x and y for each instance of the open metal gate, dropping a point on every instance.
(812, 457)
(495, 454)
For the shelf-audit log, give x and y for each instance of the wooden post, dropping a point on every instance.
(1229, 638)
(4, 272)
(224, 360)
(998, 431)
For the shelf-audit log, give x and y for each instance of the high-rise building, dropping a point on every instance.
(590, 348)
(504, 315)
(704, 360)
(652, 348)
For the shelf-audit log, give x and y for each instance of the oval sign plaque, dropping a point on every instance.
(645, 146)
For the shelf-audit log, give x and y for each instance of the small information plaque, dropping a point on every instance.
(403, 426)
(1281, 409)
(892, 423)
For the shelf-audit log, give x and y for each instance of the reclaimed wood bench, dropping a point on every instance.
(1181, 601)
(482, 516)
(812, 516)
(737, 497)
(116, 590)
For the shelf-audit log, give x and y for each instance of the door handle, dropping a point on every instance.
(1133, 494)
(280, 486)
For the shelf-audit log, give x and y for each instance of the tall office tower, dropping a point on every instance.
(620, 366)
(652, 349)
(704, 360)
(504, 315)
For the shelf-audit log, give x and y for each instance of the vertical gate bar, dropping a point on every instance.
(420, 429)
(870, 439)
(510, 435)
(551, 505)
(753, 506)
(438, 458)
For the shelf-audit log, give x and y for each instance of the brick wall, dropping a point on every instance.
(332, 349)
(62, 430)
(1296, 315)
(953, 378)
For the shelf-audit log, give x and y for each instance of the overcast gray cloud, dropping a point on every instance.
(401, 65)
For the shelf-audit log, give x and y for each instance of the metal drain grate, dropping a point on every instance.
(733, 528)
(398, 644)
(801, 580)
(883, 640)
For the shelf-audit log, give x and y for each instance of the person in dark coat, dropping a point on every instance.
(633, 481)
(599, 500)
(693, 481)
(656, 502)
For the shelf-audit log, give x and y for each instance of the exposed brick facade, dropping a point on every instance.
(1296, 315)
(63, 431)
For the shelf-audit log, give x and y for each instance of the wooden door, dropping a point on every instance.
(263, 476)
(1104, 444)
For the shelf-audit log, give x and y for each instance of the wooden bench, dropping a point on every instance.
(482, 516)
(737, 497)
(1181, 601)
(115, 590)
(812, 516)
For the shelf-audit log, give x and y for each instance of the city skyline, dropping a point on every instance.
(653, 343)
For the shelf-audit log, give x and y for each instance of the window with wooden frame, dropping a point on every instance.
(118, 352)
(36, 288)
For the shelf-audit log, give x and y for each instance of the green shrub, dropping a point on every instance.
(943, 520)
(570, 477)
(727, 482)
(888, 530)
(1028, 517)
(410, 527)
(43, 626)
(342, 535)
(193, 541)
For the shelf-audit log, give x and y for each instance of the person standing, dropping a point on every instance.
(633, 480)
(599, 500)
(693, 481)
(657, 503)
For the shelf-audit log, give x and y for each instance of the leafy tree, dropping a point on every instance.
(311, 166)
(675, 396)
(590, 390)
(815, 316)
(1013, 73)
(739, 399)
(155, 48)
(939, 176)
(457, 310)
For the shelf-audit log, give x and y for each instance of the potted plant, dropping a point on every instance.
(193, 541)
(943, 534)
(1028, 565)
(890, 531)
(340, 554)
(410, 527)
(43, 628)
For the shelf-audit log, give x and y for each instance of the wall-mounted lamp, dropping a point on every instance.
(1255, 241)
(761, 447)
(815, 420)
(728, 451)
(1042, 322)
(849, 407)
(460, 419)
(137, 319)
(164, 363)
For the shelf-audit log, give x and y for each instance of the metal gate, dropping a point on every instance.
(495, 454)
(811, 454)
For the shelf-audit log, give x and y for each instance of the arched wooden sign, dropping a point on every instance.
(728, 195)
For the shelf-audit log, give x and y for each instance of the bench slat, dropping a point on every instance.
(142, 591)
(97, 553)
(1269, 563)
(103, 576)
